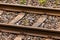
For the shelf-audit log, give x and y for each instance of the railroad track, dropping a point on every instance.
(30, 21)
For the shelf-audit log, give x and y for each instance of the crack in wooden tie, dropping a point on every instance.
(20, 16)
(1, 12)
(39, 21)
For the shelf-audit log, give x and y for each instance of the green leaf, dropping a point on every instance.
(22, 1)
(57, 1)
(42, 1)
(26, 21)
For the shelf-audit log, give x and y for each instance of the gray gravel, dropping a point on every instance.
(52, 22)
(12, 36)
(6, 17)
(28, 20)
(47, 3)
